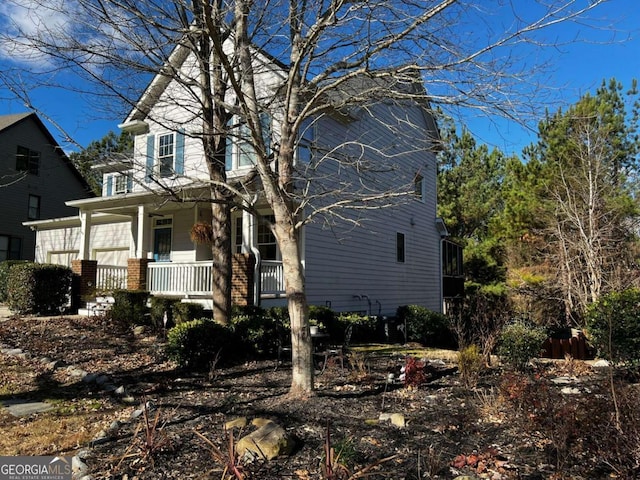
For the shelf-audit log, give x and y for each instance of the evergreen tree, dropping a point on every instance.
(469, 199)
(98, 151)
(572, 207)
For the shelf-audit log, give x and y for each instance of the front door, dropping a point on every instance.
(162, 244)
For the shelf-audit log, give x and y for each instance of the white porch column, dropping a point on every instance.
(85, 235)
(142, 233)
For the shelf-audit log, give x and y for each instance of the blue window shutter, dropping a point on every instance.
(109, 185)
(151, 140)
(179, 163)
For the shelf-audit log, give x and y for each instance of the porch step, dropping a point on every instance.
(97, 308)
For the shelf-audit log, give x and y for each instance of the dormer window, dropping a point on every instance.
(119, 184)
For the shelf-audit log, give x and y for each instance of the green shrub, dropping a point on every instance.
(158, 307)
(198, 343)
(470, 364)
(425, 326)
(185, 312)
(260, 331)
(354, 327)
(130, 307)
(616, 317)
(38, 288)
(520, 342)
(4, 276)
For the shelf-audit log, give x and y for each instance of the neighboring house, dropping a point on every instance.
(134, 235)
(36, 178)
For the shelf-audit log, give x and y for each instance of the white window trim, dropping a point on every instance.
(159, 157)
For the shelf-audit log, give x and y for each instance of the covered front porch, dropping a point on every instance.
(143, 241)
(193, 279)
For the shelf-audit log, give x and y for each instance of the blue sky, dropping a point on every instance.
(576, 68)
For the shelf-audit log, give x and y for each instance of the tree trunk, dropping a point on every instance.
(221, 249)
(301, 343)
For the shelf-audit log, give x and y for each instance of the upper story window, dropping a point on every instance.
(240, 150)
(418, 186)
(27, 160)
(34, 207)
(306, 138)
(118, 184)
(400, 247)
(165, 155)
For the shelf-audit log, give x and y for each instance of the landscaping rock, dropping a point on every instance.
(78, 467)
(90, 377)
(267, 442)
(240, 422)
(396, 419)
(601, 364)
(102, 379)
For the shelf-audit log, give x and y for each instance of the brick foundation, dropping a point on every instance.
(137, 273)
(242, 279)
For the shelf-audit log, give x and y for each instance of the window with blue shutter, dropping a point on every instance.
(179, 165)
(151, 140)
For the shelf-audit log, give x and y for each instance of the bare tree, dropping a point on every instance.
(591, 219)
(324, 57)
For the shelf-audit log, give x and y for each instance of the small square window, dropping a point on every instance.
(400, 247)
(34, 207)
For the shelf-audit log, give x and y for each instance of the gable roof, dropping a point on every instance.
(8, 121)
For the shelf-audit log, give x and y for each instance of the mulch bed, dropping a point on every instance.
(450, 430)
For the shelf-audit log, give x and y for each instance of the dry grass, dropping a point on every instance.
(411, 350)
(45, 433)
(72, 422)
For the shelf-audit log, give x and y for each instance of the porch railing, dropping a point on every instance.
(272, 277)
(194, 278)
(111, 277)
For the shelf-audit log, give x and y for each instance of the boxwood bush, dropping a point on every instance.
(261, 331)
(36, 288)
(130, 307)
(519, 343)
(613, 326)
(4, 277)
(198, 343)
(157, 308)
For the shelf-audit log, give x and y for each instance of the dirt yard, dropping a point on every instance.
(554, 422)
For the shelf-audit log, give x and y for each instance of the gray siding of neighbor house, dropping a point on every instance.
(356, 269)
(54, 184)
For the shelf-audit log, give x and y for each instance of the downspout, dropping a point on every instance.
(257, 280)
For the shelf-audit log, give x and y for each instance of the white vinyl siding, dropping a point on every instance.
(357, 269)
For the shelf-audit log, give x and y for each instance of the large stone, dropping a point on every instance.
(267, 442)
(396, 419)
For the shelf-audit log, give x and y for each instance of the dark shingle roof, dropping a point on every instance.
(8, 120)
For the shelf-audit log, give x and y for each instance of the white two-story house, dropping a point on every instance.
(136, 235)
